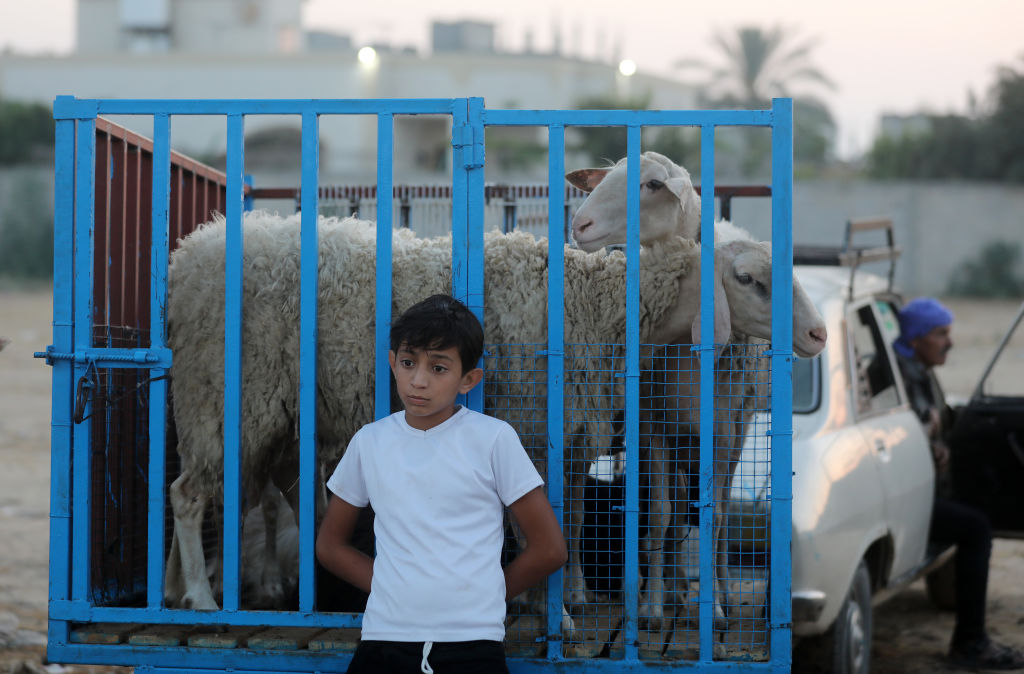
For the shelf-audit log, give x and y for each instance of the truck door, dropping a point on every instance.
(988, 438)
(893, 433)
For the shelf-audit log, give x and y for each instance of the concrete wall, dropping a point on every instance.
(939, 225)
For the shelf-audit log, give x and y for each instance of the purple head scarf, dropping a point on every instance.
(917, 318)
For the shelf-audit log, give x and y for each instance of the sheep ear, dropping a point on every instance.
(723, 322)
(689, 202)
(677, 186)
(586, 179)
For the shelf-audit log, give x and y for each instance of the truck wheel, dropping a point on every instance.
(846, 647)
(941, 585)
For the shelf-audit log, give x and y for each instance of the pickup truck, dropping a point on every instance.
(863, 477)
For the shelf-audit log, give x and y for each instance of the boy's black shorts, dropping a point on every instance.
(446, 657)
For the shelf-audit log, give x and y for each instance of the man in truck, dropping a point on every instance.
(924, 342)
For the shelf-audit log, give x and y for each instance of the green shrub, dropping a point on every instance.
(26, 232)
(25, 130)
(991, 273)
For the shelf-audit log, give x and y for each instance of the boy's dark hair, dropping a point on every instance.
(440, 322)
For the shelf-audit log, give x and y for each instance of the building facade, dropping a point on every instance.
(257, 49)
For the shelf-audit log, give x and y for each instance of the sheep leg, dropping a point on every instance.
(535, 598)
(574, 583)
(271, 581)
(174, 586)
(652, 600)
(723, 473)
(188, 506)
(215, 563)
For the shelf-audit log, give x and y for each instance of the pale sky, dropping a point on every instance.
(896, 56)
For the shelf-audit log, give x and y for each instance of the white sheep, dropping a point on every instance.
(670, 206)
(515, 311)
(668, 202)
(516, 269)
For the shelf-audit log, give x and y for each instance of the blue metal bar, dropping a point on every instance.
(85, 194)
(556, 368)
(191, 660)
(627, 117)
(780, 618)
(233, 361)
(308, 293)
(61, 402)
(385, 158)
(631, 554)
(707, 391)
(461, 195)
(161, 199)
(460, 199)
(89, 108)
(84, 611)
(474, 168)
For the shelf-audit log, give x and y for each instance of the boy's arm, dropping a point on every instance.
(334, 547)
(545, 549)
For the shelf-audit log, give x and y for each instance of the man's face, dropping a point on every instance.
(931, 348)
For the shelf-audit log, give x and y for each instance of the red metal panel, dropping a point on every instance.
(100, 239)
(118, 252)
(174, 219)
(145, 235)
(189, 212)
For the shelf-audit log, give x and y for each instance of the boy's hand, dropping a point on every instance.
(334, 546)
(545, 549)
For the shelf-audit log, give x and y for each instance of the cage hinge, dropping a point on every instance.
(468, 139)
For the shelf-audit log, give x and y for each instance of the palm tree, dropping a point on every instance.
(759, 64)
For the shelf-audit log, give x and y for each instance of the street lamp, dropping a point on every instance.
(367, 56)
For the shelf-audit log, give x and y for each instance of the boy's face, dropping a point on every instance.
(428, 381)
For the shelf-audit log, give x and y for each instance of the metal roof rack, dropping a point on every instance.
(849, 256)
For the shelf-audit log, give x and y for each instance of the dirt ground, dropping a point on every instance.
(910, 635)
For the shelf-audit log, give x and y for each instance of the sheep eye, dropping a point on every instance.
(745, 279)
(654, 185)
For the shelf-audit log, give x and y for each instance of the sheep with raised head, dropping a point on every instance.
(668, 202)
(670, 206)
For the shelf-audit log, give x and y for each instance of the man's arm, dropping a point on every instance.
(334, 547)
(545, 549)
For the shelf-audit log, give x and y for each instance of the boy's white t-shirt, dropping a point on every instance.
(438, 498)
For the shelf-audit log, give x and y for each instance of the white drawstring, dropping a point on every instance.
(424, 665)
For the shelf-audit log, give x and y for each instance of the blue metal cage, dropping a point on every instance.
(87, 626)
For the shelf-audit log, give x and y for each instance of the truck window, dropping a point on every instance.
(875, 383)
(806, 384)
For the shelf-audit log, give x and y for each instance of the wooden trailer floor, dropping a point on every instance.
(745, 640)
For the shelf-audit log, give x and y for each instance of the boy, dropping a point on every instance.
(437, 476)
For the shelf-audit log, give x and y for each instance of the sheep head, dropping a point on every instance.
(668, 203)
(744, 268)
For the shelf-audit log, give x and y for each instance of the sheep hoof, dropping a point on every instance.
(721, 622)
(202, 602)
(652, 617)
(569, 631)
(272, 593)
